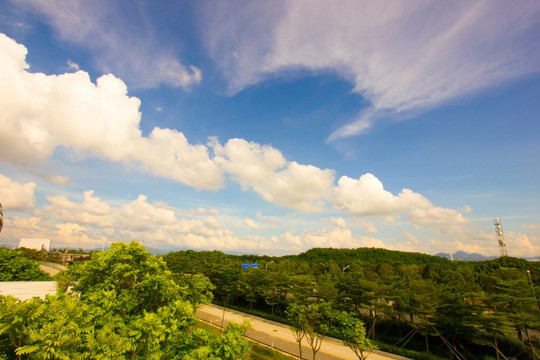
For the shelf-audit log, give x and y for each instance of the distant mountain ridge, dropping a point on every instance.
(465, 256)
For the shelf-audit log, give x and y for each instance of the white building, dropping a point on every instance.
(36, 244)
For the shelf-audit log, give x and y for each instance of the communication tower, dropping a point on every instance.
(500, 237)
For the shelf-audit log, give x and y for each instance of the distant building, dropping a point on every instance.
(36, 244)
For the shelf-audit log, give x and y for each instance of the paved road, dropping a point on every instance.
(51, 269)
(280, 337)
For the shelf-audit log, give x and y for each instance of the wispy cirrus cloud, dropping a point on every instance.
(134, 53)
(402, 57)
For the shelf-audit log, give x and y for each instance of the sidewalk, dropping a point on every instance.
(280, 337)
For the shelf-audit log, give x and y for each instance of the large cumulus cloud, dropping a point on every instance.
(42, 112)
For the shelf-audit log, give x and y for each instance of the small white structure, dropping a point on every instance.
(36, 244)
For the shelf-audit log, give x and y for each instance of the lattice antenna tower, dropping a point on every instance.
(500, 236)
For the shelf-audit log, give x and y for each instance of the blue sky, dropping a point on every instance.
(271, 127)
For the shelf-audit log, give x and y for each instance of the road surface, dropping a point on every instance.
(280, 337)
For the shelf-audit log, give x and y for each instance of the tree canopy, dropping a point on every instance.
(420, 301)
(129, 307)
(14, 266)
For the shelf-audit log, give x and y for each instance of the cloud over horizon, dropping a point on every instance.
(91, 221)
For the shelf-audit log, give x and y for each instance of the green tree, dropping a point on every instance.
(326, 289)
(273, 287)
(510, 295)
(311, 321)
(195, 288)
(295, 314)
(15, 267)
(251, 286)
(128, 275)
(129, 307)
(424, 306)
(32, 254)
(351, 330)
(17, 322)
(301, 287)
(492, 324)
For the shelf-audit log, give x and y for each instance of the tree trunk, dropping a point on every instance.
(496, 348)
(373, 327)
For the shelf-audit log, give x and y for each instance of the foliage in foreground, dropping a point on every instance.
(129, 308)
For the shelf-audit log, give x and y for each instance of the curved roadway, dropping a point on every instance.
(280, 337)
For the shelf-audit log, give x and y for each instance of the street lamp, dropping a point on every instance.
(343, 270)
(532, 288)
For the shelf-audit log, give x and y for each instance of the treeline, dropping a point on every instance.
(461, 310)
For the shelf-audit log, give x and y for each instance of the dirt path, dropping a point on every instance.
(280, 337)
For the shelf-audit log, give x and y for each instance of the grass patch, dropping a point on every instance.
(259, 352)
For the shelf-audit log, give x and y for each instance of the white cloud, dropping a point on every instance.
(72, 65)
(252, 224)
(15, 196)
(198, 211)
(402, 57)
(437, 216)
(367, 197)
(367, 225)
(132, 52)
(339, 237)
(289, 242)
(89, 222)
(359, 126)
(265, 170)
(212, 223)
(57, 179)
(249, 162)
(338, 222)
(42, 112)
(137, 215)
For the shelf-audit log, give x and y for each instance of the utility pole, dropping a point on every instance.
(532, 288)
(343, 270)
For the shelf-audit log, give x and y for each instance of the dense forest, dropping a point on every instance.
(407, 301)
